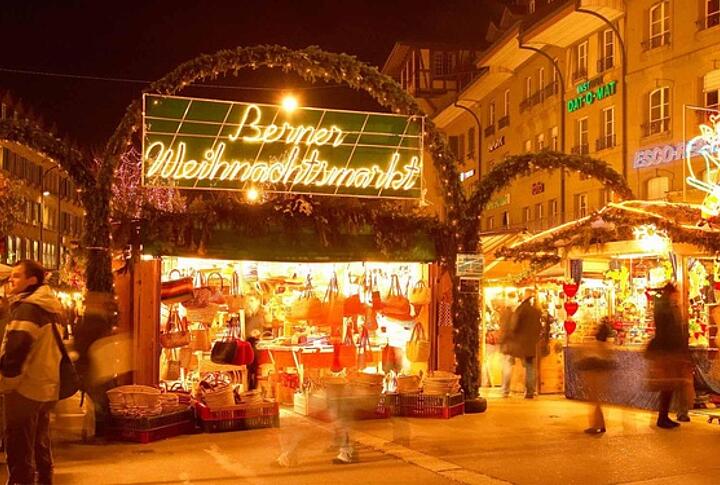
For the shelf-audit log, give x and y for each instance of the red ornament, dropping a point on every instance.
(571, 307)
(716, 285)
(570, 289)
(570, 326)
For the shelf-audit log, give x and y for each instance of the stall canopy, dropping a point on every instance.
(303, 245)
(497, 268)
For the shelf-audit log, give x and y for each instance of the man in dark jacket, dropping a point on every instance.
(525, 334)
(30, 374)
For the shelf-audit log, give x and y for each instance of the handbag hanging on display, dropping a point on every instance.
(364, 355)
(200, 337)
(348, 350)
(223, 350)
(218, 293)
(170, 371)
(391, 359)
(334, 304)
(176, 333)
(176, 290)
(418, 347)
(396, 305)
(307, 308)
(235, 300)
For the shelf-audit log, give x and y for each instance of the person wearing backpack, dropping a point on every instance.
(30, 374)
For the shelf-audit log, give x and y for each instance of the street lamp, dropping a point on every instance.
(46, 193)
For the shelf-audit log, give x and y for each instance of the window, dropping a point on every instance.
(607, 55)
(659, 28)
(443, 63)
(556, 79)
(657, 188)
(539, 212)
(581, 137)
(581, 205)
(471, 144)
(528, 87)
(506, 219)
(526, 215)
(528, 146)
(581, 60)
(491, 223)
(491, 113)
(605, 197)
(457, 146)
(607, 128)
(531, 6)
(541, 78)
(554, 138)
(712, 99)
(540, 142)
(659, 113)
(712, 13)
(506, 102)
(554, 211)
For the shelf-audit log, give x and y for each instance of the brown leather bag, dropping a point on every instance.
(176, 290)
(175, 333)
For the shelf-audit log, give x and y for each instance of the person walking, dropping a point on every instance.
(595, 365)
(29, 374)
(524, 335)
(505, 340)
(668, 353)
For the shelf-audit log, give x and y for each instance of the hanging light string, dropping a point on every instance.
(144, 81)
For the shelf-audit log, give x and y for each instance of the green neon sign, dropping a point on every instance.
(191, 143)
(587, 96)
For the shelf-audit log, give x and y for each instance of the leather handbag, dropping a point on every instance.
(218, 291)
(396, 305)
(348, 350)
(244, 354)
(200, 337)
(364, 352)
(176, 290)
(170, 370)
(176, 333)
(418, 347)
(334, 304)
(391, 359)
(308, 308)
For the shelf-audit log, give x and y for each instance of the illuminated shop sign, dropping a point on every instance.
(706, 144)
(589, 92)
(659, 155)
(191, 143)
(500, 201)
(496, 144)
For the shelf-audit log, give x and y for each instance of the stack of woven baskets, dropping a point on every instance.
(440, 382)
(219, 397)
(135, 400)
(366, 383)
(408, 384)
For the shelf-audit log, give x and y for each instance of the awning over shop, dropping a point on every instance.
(303, 245)
(497, 268)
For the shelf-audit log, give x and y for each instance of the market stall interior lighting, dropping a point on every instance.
(253, 194)
(651, 239)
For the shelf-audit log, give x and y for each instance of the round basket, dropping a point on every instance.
(219, 397)
(367, 379)
(408, 384)
(134, 396)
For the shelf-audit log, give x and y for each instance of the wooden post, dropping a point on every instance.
(146, 318)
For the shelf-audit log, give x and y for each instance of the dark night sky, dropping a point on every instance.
(146, 39)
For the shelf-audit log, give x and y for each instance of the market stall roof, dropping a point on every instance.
(609, 231)
(498, 268)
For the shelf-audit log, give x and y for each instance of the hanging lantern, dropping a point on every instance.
(570, 289)
(570, 326)
(571, 307)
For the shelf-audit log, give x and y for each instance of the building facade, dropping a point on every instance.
(624, 82)
(53, 217)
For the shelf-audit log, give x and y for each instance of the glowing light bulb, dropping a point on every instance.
(289, 103)
(252, 194)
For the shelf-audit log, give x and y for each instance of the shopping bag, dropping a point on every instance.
(418, 347)
(200, 337)
(333, 308)
(420, 294)
(364, 355)
(170, 371)
(391, 359)
(235, 300)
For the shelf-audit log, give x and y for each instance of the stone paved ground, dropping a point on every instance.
(515, 441)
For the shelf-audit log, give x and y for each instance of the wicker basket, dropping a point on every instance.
(219, 397)
(367, 379)
(134, 400)
(408, 384)
(441, 383)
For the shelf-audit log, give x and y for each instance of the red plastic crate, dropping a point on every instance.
(238, 418)
(150, 435)
(431, 406)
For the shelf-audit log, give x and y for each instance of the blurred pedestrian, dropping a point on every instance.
(522, 340)
(668, 353)
(595, 366)
(504, 314)
(29, 374)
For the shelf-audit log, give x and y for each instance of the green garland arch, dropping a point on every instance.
(517, 166)
(314, 64)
